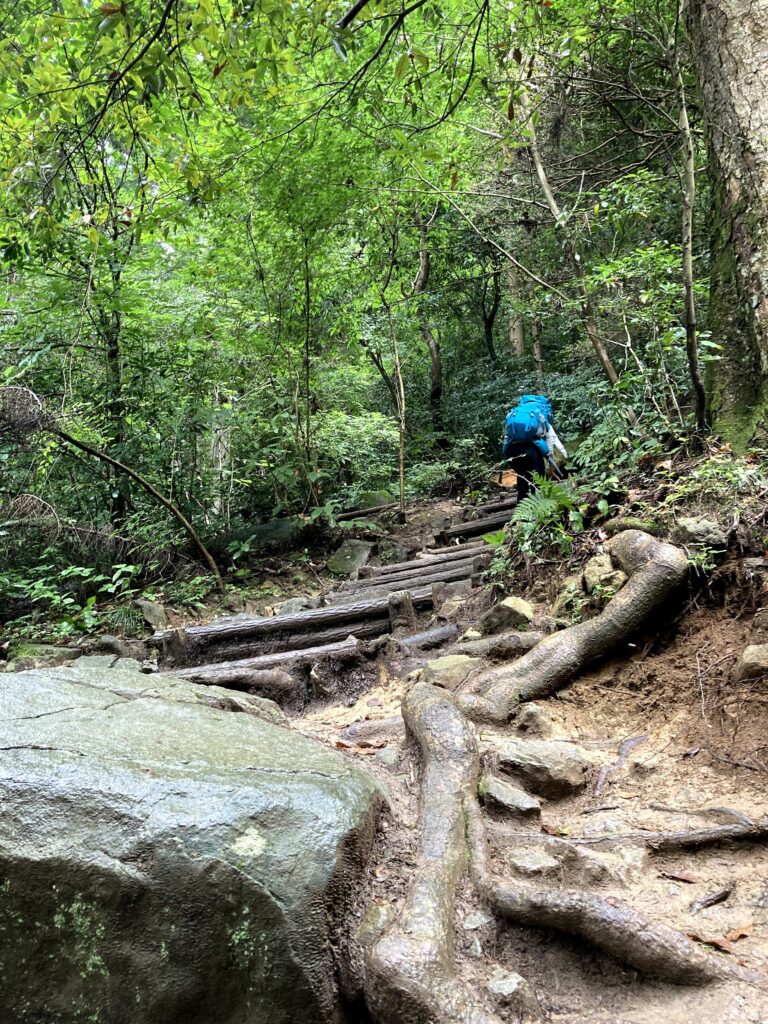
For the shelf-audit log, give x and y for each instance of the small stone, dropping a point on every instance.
(512, 994)
(351, 556)
(699, 532)
(535, 720)
(42, 655)
(475, 948)
(505, 797)
(452, 607)
(477, 919)
(450, 671)
(388, 756)
(296, 604)
(128, 663)
(152, 613)
(595, 569)
(97, 661)
(602, 867)
(753, 663)
(570, 594)
(512, 611)
(442, 592)
(471, 634)
(533, 862)
(552, 769)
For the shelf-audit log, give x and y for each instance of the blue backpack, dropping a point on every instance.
(527, 422)
(540, 400)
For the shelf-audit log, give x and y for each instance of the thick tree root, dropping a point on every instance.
(655, 569)
(612, 926)
(410, 977)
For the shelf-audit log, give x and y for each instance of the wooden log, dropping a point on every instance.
(272, 682)
(277, 644)
(360, 512)
(477, 526)
(438, 556)
(345, 598)
(402, 615)
(409, 575)
(197, 639)
(430, 638)
(280, 659)
(490, 508)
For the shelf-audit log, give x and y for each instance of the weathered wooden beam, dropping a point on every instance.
(345, 598)
(476, 527)
(214, 673)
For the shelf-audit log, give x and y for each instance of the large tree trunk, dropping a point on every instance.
(728, 39)
(516, 327)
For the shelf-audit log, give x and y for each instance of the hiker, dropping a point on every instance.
(529, 442)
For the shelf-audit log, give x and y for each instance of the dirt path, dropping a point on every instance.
(667, 744)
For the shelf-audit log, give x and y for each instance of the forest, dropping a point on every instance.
(273, 275)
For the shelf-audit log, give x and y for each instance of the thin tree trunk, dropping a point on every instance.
(586, 306)
(173, 509)
(489, 311)
(536, 346)
(689, 198)
(516, 326)
(418, 289)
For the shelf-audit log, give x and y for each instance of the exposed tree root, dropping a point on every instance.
(655, 570)
(410, 977)
(612, 926)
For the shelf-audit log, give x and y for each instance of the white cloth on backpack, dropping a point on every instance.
(553, 441)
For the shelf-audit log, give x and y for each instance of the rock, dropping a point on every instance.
(297, 604)
(623, 867)
(503, 796)
(514, 997)
(753, 663)
(471, 634)
(533, 862)
(278, 534)
(374, 499)
(450, 671)
(178, 861)
(535, 720)
(450, 609)
(475, 948)
(442, 592)
(97, 661)
(477, 919)
(389, 756)
(512, 611)
(152, 613)
(699, 532)
(122, 648)
(600, 575)
(390, 551)
(571, 593)
(614, 526)
(554, 770)
(351, 556)
(595, 568)
(42, 655)
(128, 663)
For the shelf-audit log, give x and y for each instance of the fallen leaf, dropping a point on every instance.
(722, 944)
(692, 752)
(741, 932)
(679, 876)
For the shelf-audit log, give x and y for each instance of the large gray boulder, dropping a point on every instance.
(165, 861)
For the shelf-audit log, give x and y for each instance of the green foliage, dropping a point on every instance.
(547, 518)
